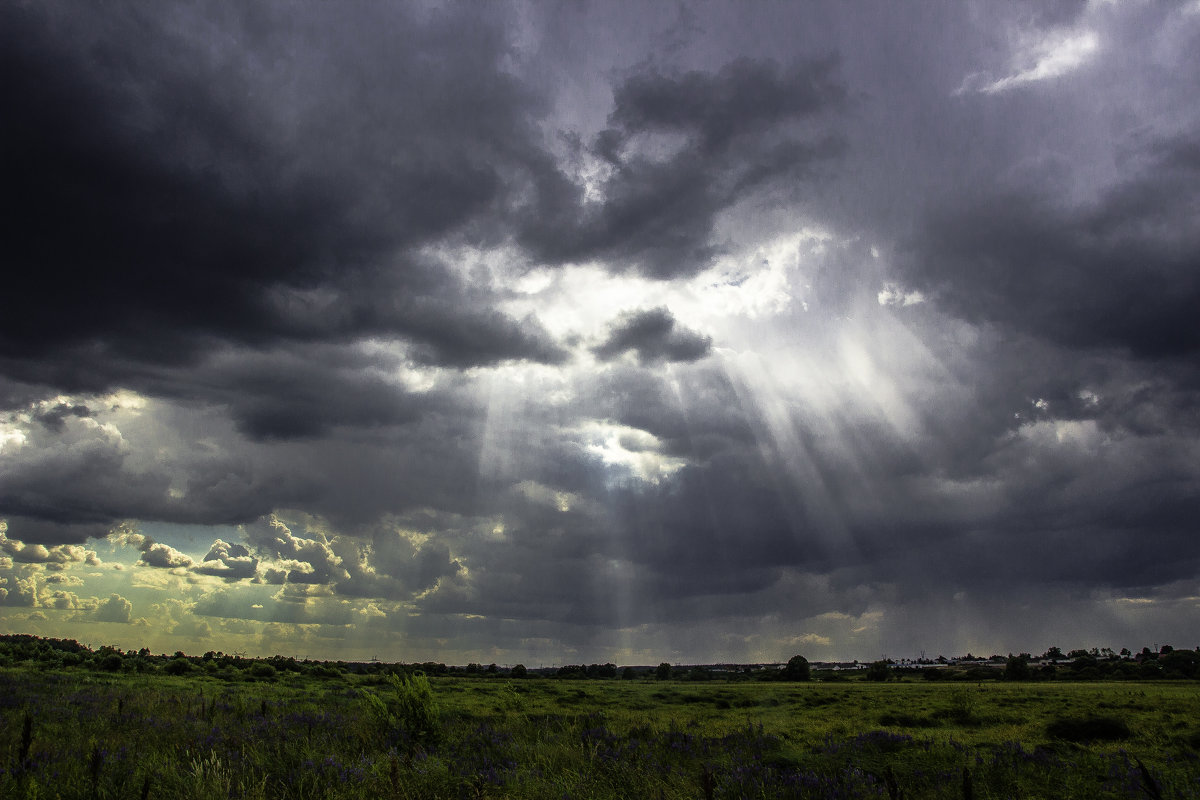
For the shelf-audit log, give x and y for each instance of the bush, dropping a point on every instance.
(262, 669)
(177, 666)
(410, 711)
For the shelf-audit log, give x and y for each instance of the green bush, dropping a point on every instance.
(177, 666)
(262, 669)
(410, 710)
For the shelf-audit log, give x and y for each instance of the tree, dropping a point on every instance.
(1181, 664)
(663, 672)
(797, 669)
(878, 671)
(1016, 669)
(519, 671)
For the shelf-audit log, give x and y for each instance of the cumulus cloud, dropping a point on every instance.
(55, 556)
(114, 609)
(302, 560)
(230, 561)
(154, 554)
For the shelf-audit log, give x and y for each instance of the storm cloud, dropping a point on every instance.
(562, 333)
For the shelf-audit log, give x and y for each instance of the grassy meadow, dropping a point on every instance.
(76, 734)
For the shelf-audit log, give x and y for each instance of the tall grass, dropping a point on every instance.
(72, 736)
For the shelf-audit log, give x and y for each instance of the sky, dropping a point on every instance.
(577, 332)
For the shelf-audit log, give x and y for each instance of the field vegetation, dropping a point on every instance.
(257, 729)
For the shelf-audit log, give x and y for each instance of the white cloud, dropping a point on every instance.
(895, 296)
(630, 449)
(115, 609)
(1038, 57)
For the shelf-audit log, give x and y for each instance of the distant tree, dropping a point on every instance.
(1017, 669)
(797, 669)
(1181, 664)
(628, 674)
(518, 671)
(663, 672)
(607, 671)
(1053, 652)
(1125, 652)
(1149, 668)
(878, 671)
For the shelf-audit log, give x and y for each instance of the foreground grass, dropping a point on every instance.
(71, 735)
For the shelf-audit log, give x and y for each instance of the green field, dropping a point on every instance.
(78, 734)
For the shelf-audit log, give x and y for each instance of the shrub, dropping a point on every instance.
(262, 669)
(410, 711)
(177, 666)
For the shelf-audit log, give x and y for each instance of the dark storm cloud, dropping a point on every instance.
(654, 335)
(385, 564)
(742, 99)
(301, 392)
(1121, 272)
(53, 416)
(694, 415)
(161, 194)
(956, 351)
(55, 528)
(745, 128)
